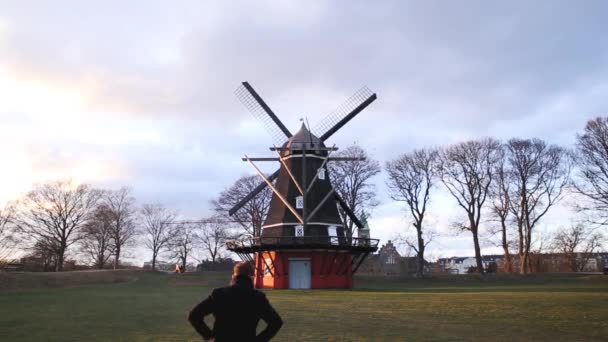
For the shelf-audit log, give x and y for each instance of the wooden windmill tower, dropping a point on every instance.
(303, 243)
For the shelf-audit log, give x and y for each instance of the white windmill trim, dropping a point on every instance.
(297, 224)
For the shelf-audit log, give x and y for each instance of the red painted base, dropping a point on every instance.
(329, 269)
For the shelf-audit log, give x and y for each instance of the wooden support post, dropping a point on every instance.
(317, 174)
(312, 214)
(276, 192)
(349, 212)
(360, 262)
(344, 261)
(293, 178)
(272, 262)
(257, 268)
(268, 266)
(331, 265)
(305, 194)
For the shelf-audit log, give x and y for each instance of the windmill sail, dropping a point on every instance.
(261, 111)
(344, 113)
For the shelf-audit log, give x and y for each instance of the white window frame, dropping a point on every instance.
(333, 238)
(321, 173)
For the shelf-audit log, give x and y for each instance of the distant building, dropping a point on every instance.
(462, 265)
(541, 263)
(388, 262)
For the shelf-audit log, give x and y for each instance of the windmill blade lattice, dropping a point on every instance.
(249, 101)
(342, 111)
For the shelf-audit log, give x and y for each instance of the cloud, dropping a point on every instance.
(446, 61)
(140, 93)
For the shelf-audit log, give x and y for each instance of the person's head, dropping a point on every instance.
(242, 270)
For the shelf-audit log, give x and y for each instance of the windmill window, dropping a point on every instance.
(321, 173)
(299, 202)
(299, 230)
(333, 235)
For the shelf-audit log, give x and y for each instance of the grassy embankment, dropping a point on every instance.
(139, 306)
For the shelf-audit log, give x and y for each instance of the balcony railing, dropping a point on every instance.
(303, 241)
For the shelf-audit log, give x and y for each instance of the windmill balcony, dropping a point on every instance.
(257, 244)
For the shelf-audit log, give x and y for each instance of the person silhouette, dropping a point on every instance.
(237, 309)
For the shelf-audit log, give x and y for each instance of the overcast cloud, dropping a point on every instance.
(141, 94)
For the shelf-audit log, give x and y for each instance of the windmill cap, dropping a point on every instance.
(304, 138)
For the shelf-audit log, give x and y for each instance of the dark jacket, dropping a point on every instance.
(237, 310)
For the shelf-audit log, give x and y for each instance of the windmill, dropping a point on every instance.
(302, 243)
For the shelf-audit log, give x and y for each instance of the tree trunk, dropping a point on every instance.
(184, 262)
(477, 250)
(420, 254)
(117, 257)
(505, 247)
(213, 254)
(520, 247)
(523, 263)
(573, 266)
(153, 261)
(526, 263)
(59, 263)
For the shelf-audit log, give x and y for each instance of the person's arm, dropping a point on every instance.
(197, 317)
(272, 319)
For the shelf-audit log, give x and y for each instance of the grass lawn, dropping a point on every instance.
(139, 306)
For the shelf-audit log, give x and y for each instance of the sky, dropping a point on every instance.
(141, 93)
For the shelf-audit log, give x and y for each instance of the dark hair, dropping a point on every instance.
(242, 269)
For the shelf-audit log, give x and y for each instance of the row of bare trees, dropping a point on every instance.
(59, 218)
(507, 187)
(7, 238)
(183, 240)
(516, 182)
(54, 216)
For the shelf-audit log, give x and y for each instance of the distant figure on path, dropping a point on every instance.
(237, 310)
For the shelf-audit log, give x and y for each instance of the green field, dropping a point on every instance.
(139, 306)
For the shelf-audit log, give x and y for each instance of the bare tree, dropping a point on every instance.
(411, 178)
(53, 214)
(540, 173)
(96, 242)
(412, 241)
(467, 171)
(157, 229)
(577, 244)
(351, 179)
(592, 167)
(214, 233)
(44, 252)
(123, 229)
(252, 215)
(185, 238)
(7, 240)
(501, 205)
